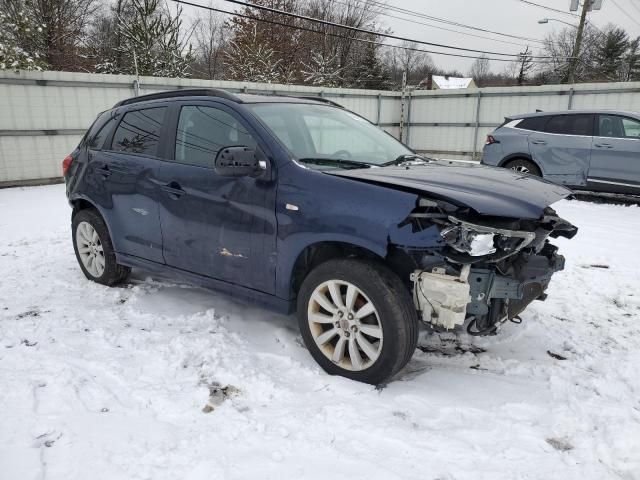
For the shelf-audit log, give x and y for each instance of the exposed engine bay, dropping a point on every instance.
(490, 268)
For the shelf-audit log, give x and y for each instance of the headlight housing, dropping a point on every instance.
(480, 240)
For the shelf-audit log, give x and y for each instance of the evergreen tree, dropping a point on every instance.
(369, 70)
(17, 34)
(252, 61)
(150, 42)
(322, 71)
(610, 54)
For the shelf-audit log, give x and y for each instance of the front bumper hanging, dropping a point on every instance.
(447, 301)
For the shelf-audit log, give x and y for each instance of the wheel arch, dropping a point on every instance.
(80, 203)
(314, 254)
(83, 203)
(524, 156)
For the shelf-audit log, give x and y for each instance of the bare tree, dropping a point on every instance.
(417, 65)
(631, 65)
(559, 47)
(211, 36)
(480, 70)
(104, 40)
(525, 64)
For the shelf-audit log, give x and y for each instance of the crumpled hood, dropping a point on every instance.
(487, 190)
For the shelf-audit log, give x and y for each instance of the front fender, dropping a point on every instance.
(337, 209)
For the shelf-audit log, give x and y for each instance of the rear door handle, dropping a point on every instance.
(538, 142)
(104, 171)
(603, 145)
(173, 189)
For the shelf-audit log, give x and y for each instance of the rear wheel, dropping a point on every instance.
(522, 165)
(94, 250)
(357, 319)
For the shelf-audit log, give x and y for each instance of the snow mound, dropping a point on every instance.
(160, 380)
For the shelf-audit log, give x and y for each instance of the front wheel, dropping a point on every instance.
(357, 320)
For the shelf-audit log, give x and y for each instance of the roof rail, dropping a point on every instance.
(185, 92)
(321, 99)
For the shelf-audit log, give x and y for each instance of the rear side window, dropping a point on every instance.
(536, 124)
(96, 140)
(570, 124)
(203, 131)
(139, 131)
(618, 127)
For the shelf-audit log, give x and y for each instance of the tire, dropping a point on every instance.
(394, 319)
(83, 225)
(522, 165)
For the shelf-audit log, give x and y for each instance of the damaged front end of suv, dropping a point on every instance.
(488, 269)
(475, 248)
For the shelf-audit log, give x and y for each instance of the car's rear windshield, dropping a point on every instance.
(322, 131)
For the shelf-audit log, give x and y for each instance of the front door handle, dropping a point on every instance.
(603, 145)
(538, 142)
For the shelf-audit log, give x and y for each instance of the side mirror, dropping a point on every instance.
(239, 162)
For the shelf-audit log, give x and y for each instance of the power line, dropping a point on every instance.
(444, 20)
(444, 28)
(625, 12)
(370, 32)
(356, 39)
(551, 9)
(633, 4)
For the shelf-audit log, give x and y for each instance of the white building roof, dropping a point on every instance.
(451, 82)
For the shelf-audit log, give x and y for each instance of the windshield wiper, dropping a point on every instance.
(407, 157)
(340, 162)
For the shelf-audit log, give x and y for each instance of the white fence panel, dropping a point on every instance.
(44, 114)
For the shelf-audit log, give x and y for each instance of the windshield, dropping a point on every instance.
(317, 132)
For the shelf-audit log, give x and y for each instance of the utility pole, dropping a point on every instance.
(403, 100)
(573, 61)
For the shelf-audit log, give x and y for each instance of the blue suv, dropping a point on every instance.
(299, 204)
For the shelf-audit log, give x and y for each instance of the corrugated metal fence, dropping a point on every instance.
(44, 114)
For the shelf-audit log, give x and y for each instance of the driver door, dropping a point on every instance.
(213, 225)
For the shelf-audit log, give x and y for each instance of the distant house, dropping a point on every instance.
(445, 82)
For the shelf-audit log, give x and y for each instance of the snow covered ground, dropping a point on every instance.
(115, 383)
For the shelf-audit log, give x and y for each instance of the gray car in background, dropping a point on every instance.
(595, 150)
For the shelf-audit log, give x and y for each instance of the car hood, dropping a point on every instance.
(487, 190)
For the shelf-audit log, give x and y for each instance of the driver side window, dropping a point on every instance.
(203, 131)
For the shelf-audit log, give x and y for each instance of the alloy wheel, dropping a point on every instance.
(521, 169)
(90, 249)
(345, 325)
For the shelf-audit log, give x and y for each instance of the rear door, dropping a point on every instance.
(123, 175)
(213, 225)
(563, 149)
(615, 160)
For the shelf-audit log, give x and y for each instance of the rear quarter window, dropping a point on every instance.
(536, 124)
(97, 136)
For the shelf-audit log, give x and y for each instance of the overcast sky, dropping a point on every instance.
(506, 16)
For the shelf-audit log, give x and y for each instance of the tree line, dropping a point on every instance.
(154, 38)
